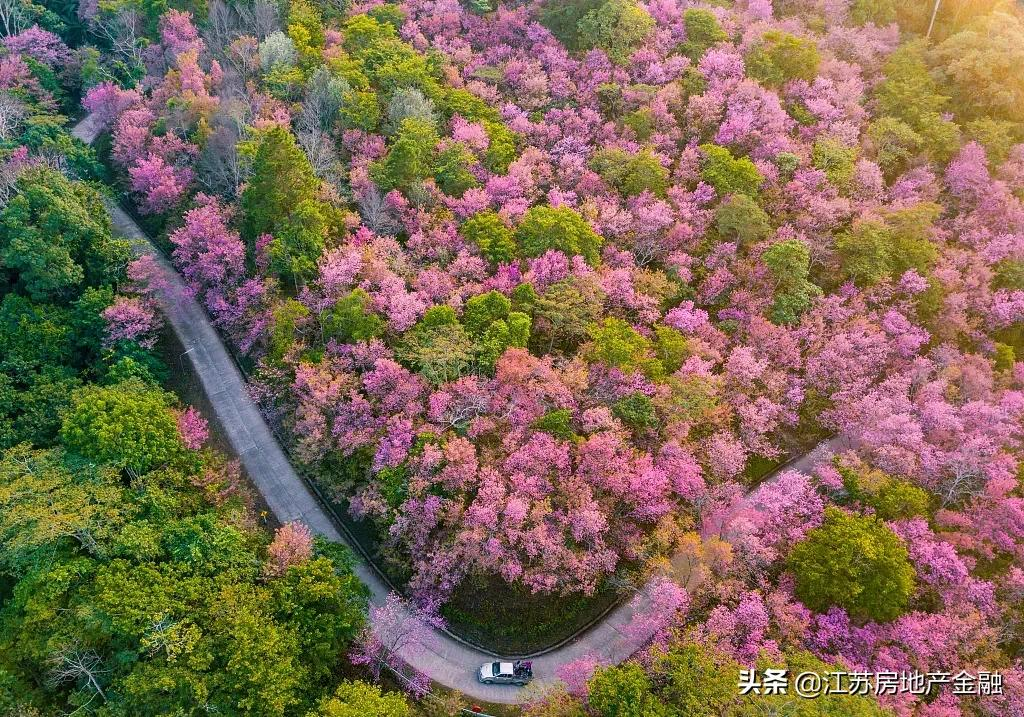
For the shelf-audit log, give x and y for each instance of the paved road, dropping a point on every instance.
(440, 656)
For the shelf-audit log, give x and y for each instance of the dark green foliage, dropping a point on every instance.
(484, 309)
(410, 159)
(128, 425)
(360, 109)
(619, 27)
(559, 228)
(702, 32)
(789, 263)
(836, 160)
(641, 121)
(557, 423)
(671, 348)
(911, 121)
(891, 498)
(563, 20)
(609, 97)
(299, 242)
(511, 332)
(524, 297)
(872, 251)
(618, 345)
(55, 238)
(624, 691)
(388, 14)
(899, 500)
(287, 319)
(637, 412)
(879, 12)
(501, 148)
(31, 405)
(563, 314)
(281, 180)
(779, 57)
(727, 174)
(856, 563)
(742, 219)
(352, 320)
(631, 174)
(1009, 274)
(439, 315)
(163, 590)
(488, 232)
(997, 137)
(489, 319)
(440, 352)
(451, 171)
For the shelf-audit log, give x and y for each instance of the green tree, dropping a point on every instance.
(908, 90)
(789, 262)
(896, 144)
(779, 57)
(281, 182)
(501, 335)
(873, 250)
(879, 12)
(836, 160)
(490, 320)
(563, 20)
(439, 352)
(350, 319)
(286, 321)
(671, 348)
(742, 219)
(557, 423)
(727, 174)
(631, 174)
(982, 65)
(702, 33)
(636, 411)
(619, 27)
(47, 504)
(55, 238)
(559, 228)
(324, 602)
(624, 691)
(129, 425)
(451, 170)
(360, 109)
(410, 160)
(299, 242)
(891, 498)
(856, 563)
(358, 699)
(488, 232)
(564, 312)
(483, 309)
(997, 137)
(501, 148)
(912, 104)
(618, 345)
(698, 681)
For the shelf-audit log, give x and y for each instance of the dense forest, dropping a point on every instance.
(541, 295)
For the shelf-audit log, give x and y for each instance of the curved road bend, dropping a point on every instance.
(441, 657)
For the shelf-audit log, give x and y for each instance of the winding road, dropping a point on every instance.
(441, 656)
